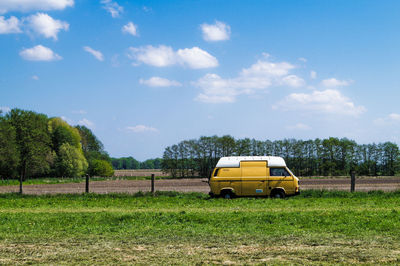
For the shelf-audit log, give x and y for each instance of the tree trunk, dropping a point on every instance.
(20, 181)
(20, 184)
(22, 177)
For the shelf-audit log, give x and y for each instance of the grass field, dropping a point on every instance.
(317, 227)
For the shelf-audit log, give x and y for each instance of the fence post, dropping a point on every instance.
(20, 184)
(353, 180)
(152, 184)
(87, 184)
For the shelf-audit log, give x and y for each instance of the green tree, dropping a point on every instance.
(228, 145)
(125, 163)
(70, 161)
(33, 143)
(243, 147)
(92, 147)
(9, 155)
(61, 132)
(90, 143)
(391, 155)
(101, 168)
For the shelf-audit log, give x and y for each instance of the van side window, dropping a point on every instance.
(216, 172)
(278, 172)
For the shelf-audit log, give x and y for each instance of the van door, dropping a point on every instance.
(254, 178)
(280, 177)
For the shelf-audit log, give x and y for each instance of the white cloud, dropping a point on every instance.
(268, 68)
(113, 8)
(302, 59)
(293, 81)
(333, 83)
(391, 119)
(11, 25)
(298, 126)
(30, 5)
(258, 77)
(163, 56)
(216, 32)
(39, 53)
(313, 74)
(34, 77)
(328, 101)
(5, 109)
(196, 58)
(394, 117)
(141, 129)
(156, 56)
(97, 54)
(130, 28)
(85, 122)
(217, 90)
(159, 82)
(45, 25)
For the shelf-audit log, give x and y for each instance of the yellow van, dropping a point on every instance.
(253, 176)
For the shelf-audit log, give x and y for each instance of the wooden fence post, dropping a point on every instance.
(20, 184)
(87, 184)
(353, 180)
(152, 184)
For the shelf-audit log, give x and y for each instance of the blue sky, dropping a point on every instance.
(144, 75)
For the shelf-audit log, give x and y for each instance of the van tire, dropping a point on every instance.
(278, 194)
(227, 194)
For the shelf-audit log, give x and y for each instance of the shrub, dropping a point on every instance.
(100, 168)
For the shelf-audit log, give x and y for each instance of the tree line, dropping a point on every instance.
(34, 145)
(132, 163)
(318, 157)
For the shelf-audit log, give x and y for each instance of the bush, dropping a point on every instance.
(100, 168)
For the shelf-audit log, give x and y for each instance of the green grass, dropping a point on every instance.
(317, 227)
(65, 180)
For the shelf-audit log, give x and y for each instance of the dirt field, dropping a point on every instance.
(140, 172)
(197, 185)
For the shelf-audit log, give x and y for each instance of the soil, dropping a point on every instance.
(196, 185)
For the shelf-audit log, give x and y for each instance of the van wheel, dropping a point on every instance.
(227, 194)
(278, 194)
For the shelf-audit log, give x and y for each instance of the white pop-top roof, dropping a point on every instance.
(234, 161)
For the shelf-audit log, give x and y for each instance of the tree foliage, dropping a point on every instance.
(93, 149)
(90, 143)
(125, 163)
(9, 154)
(326, 157)
(61, 133)
(131, 163)
(70, 161)
(33, 145)
(33, 142)
(101, 168)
